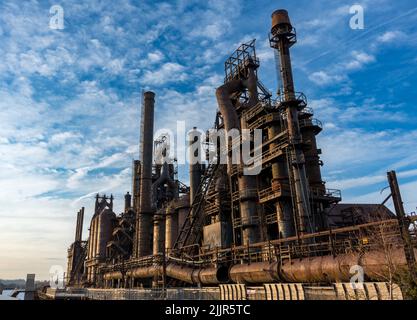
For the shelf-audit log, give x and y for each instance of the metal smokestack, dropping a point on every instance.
(145, 214)
(282, 38)
(128, 201)
(79, 228)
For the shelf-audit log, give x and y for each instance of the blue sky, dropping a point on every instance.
(69, 99)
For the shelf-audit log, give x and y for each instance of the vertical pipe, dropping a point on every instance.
(80, 219)
(156, 236)
(281, 28)
(195, 165)
(77, 227)
(171, 227)
(247, 184)
(168, 230)
(90, 244)
(97, 232)
(144, 220)
(282, 206)
(90, 240)
(93, 238)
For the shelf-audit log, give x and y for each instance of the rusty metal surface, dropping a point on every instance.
(337, 269)
(280, 17)
(258, 208)
(144, 226)
(261, 272)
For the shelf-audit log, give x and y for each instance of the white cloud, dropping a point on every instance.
(359, 60)
(155, 57)
(213, 30)
(168, 72)
(62, 137)
(322, 78)
(391, 36)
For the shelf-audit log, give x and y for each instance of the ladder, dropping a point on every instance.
(192, 228)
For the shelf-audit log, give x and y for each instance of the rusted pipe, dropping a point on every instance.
(281, 28)
(206, 276)
(171, 226)
(259, 272)
(325, 269)
(250, 233)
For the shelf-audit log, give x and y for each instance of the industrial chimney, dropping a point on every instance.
(79, 226)
(128, 201)
(144, 225)
(282, 38)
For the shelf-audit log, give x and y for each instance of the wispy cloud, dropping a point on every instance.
(69, 99)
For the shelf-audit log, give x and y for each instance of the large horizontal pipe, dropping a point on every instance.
(259, 272)
(189, 275)
(307, 270)
(322, 269)
(207, 276)
(145, 272)
(186, 274)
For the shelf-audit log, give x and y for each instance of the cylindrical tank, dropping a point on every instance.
(312, 158)
(158, 235)
(283, 207)
(248, 209)
(171, 227)
(280, 18)
(104, 231)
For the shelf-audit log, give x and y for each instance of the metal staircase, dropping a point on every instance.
(191, 230)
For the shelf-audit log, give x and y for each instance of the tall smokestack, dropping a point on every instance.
(79, 228)
(128, 201)
(145, 215)
(282, 38)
